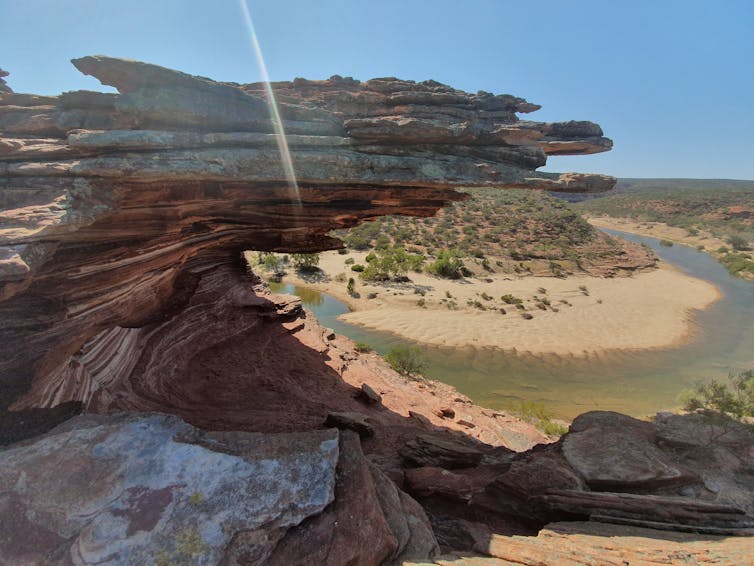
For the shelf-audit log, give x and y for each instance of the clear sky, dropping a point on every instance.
(671, 81)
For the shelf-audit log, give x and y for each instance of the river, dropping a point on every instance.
(638, 383)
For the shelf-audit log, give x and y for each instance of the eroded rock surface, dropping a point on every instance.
(122, 288)
(140, 489)
(612, 452)
(566, 480)
(113, 203)
(587, 544)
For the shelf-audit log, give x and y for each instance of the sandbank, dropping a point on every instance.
(649, 310)
(702, 240)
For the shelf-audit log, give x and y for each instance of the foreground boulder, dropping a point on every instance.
(613, 452)
(139, 488)
(678, 473)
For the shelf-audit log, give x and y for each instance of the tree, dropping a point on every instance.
(390, 262)
(305, 262)
(738, 243)
(271, 262)
(406, 360)
(448, 264)
(735, 397)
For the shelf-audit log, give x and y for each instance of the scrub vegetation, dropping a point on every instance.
(520, 232)
(723, 209)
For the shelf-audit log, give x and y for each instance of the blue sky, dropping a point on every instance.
(672, 82)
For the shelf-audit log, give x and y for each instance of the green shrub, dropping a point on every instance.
(390, 262)
(738, 243)
(362, 347)
(735, 263)
(271, 262)
(735, 397)
(539, 416)
(358, 268)
(351, 286)
(406, 360)
(305, 262)
(350, 261)
(448, 264)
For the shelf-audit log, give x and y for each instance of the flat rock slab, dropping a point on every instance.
(698, 429)
(439, 451)
(614, 451)
(588, 543)
(596, 544)
(350, 421)
(149, 488)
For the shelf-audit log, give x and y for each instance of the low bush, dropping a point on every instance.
(736, 397)
(406, 360)
(448, 264)
(539, 416)
(305, 262)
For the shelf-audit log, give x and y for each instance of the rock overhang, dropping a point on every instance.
(108, 198)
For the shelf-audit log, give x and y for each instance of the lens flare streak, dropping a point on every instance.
(277, 123)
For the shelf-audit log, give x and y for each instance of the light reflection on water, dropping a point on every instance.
(634, 382)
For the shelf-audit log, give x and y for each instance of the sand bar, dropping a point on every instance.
(653, 309)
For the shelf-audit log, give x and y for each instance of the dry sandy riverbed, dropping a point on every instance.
(653, 309)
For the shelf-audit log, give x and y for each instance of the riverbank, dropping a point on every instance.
(575, 316)
(701, 240)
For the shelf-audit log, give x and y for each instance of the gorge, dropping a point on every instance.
(123, 294)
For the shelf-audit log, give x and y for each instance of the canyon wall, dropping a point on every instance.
(123, 291)
(116, 207)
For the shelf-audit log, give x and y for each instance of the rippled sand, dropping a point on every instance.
(648, 310)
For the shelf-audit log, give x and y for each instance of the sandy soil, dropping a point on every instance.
(653, 309)
(704, 241)
(659, 230)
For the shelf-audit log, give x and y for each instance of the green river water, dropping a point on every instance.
(638, 383)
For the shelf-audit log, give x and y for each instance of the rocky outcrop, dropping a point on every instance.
(679, 473)
(4, 88)
(135, 488)
(122, 288)
(115, 206)
(587, 543)
(152, 489)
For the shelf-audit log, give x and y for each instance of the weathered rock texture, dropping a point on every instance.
(138, 489)
(116, 208)
(588, 544)
(122, 288)
(679, 473)
(131, 488)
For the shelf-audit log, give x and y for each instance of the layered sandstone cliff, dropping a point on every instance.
(122, 288)
(116, 206)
